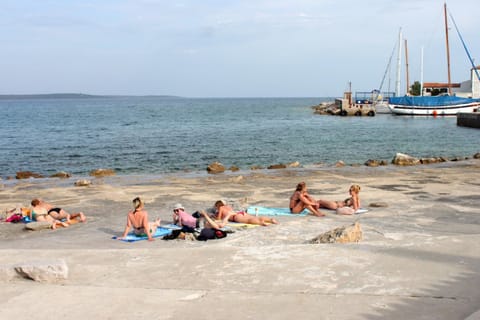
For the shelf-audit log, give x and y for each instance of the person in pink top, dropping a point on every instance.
(184, 219)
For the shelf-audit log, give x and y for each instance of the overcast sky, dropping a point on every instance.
(226, 48)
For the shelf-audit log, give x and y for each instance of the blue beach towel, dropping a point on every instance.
(171, 226)
(131, 237)
(269, 211)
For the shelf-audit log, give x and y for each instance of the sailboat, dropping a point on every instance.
(436, 105)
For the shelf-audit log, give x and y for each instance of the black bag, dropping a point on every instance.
(210, 233)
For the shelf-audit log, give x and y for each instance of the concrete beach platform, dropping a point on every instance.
(419, 257)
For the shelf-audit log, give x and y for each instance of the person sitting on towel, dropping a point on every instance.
(138, 220)
(184, 219)
(301, 200)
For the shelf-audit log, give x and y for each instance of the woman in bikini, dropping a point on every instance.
(301, 200)
(39, 212)
(346, 207)
(138, 220)
(226, 213)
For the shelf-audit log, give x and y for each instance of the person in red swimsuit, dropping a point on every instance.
(226, 213)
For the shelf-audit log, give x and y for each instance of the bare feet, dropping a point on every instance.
(82, 217)
(274, 221)
(319, 214)
(157, 222)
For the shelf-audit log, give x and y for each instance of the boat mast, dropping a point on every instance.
(407, 88)
(448, 49)
(399, 63)
(421, 73)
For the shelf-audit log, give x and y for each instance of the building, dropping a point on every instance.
(466, 89)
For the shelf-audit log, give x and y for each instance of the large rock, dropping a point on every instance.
(215, 167)
(402, 159)
(102, 173)
(27, 175)
(476, 155)
(352, 233)
(43, 271)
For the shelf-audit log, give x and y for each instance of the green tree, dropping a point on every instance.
(415, 89)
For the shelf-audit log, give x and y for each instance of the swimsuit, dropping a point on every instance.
(38, 214)
(55, 210)
(238, 213)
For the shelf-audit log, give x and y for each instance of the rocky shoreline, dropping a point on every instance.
(399, 159)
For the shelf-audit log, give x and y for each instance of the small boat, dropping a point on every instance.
(445, 104)
(432, 105)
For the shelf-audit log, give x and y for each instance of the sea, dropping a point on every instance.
(165, 135)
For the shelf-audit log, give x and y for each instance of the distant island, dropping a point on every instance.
(72, 96)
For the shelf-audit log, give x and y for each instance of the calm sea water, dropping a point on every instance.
(155, 135)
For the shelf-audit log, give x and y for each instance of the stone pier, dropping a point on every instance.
(469, 119)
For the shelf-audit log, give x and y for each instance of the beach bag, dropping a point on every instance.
(209, 234)
(173, 235)
(14, 218)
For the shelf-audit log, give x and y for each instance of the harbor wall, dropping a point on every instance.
(469, 120)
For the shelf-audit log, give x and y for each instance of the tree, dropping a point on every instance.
(415, 89)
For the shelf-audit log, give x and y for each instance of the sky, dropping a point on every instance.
(228, 48)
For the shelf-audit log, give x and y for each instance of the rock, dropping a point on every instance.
(378, 204)
(61, 174)
(372, 163)
(476, 155)
(294, 164)
(27, 175)
(277, 166)
(238, 179)
(234, 168)
(340, 164)
(98, 173)
(256, 168)
(352, 233)
(215, 167)
(431, 160)
(43, 271)
(38, 225)
(402, 159)
(83, 183)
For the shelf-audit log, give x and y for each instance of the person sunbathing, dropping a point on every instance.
(60, 214)
(138, 220)
(225, 213)
(346, 207)
(39, 212)
(301, 200)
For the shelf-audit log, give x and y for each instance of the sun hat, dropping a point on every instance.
(178, 206)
